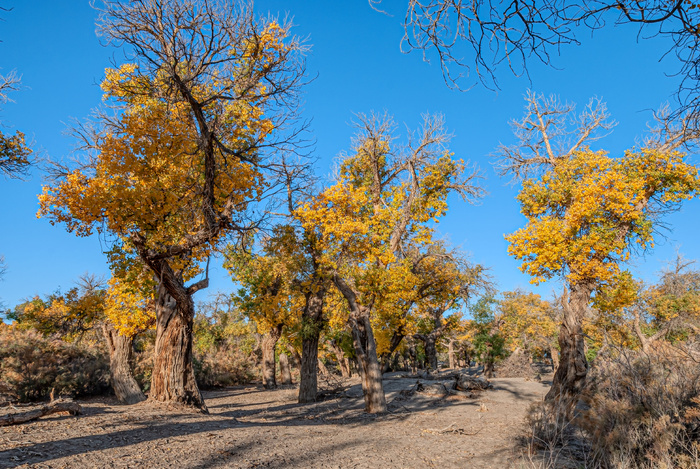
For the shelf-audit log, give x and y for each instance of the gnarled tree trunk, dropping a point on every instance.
(365, 349)
(269, 343)
(121, 349)
(370, 373)
(285, 371)
(312, 323)
(173, 375)
(570, 376)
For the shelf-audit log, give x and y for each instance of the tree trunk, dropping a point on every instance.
(173, 375)
(555, 356)
(308, 377)
(296, 358)
(365, 349)
(312, 324)
(451, 354)
(322, 368)
(269, 343)
(370, 373)
(430, 347)
(285, 371)
(343, 362)
(413, 356)
(120, 358)
(488, 369)
(396, 339)
(570, 376)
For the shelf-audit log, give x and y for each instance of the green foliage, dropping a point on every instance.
(488, 342)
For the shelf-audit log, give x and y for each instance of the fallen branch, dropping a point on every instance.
(53, 407)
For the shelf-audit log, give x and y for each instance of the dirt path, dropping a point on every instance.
(248, 427)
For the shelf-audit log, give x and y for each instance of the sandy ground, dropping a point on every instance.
(249, 427)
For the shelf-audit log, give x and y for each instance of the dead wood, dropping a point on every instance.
(53, 407)
(469, 383)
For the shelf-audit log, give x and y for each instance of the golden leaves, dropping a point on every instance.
(586, 212)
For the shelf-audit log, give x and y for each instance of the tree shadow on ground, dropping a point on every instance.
(103, 428)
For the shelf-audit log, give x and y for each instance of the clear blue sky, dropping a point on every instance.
(359, 67)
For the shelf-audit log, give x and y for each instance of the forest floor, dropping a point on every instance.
(249, 427)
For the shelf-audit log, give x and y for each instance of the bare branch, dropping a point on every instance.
(550, 131)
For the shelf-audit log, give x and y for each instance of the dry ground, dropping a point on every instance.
(250, 427)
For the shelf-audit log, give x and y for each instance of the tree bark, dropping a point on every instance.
(451, 354)
(285, 371)
(47, 409)
(120, 358)
(430, 349)
(413, 356)
(343, 362)
(173, 378)
(269, 343)
(365, 349)
(396, 339)
(322, 368)
(312, 323)
(570, 376)
(555, 356)
(308, 378)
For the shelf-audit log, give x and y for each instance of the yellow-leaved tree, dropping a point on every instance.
(529, 323)
(179, 165)
(268, 295)
(382, 202)
(586, 213)
(121, 310)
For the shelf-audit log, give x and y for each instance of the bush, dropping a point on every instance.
(32, 365)
(642, 410)
(219, 367)
(638, 410)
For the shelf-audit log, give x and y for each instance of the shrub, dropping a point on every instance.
(642, 410)
(638, 410)
(32, 365)
(222, 366)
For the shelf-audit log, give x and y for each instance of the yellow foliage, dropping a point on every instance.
(588, 212)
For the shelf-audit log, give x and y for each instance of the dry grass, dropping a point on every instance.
(639, 410)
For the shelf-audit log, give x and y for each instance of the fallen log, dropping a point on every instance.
(469, 383)
(53, 407)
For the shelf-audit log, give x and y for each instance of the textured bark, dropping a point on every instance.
(269, 343)
(451, 354)
(52, 408)
(322, 368)
(430, 350)
(285, 371)
(120, 358)
(370, 373)
(365, 349)
(555, 356)
(413, 356)
(173, 375)
(396, 339)
(308, 378)
(570, 376)
(343, 362)
(312, 319)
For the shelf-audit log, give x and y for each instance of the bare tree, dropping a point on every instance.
(512, 33)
